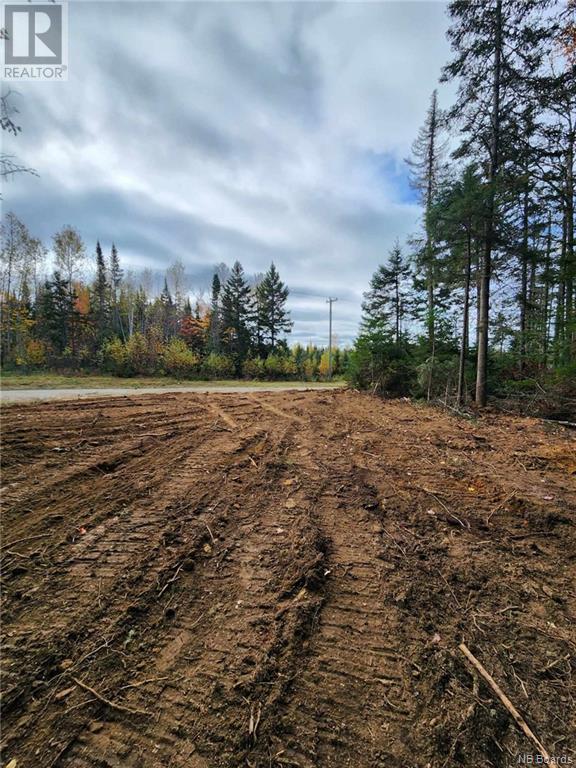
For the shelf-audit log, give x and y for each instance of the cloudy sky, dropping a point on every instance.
(215, 131)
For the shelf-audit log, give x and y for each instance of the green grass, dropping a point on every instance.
(10, 380)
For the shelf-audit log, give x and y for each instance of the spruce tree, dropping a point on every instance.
(168, 312)
(116, 275)
(101, 296)
(237, 311)
(384, 304)
(215, 316)
(57, 312)
(427, 171)
(272, 316)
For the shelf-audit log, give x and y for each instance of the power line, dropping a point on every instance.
(330, 300)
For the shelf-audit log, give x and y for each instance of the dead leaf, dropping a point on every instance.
(290, 504)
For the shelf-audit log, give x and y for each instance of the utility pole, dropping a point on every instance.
(330, 301)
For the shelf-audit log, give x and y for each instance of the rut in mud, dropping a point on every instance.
(282, 579)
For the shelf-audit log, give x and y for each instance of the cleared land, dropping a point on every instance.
(283, 579)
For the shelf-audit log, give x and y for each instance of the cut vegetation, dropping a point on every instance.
(285, 579)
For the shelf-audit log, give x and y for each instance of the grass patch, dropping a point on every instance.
(9, 380)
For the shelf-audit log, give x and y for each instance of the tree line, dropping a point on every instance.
(482, 298)
(116, 323)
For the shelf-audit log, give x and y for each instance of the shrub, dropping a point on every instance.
(377, 364)
(138, 356)
(179, 360)
(143, 355)
(274, 366)
(435, 376)
(253, 368)
(114, 357)
(290, 368)
(310, 369)
(218, 367)
(35, 353)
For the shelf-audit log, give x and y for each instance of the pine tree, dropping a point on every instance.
(237, 311)
(273, 317)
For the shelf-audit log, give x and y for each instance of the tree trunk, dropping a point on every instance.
(570, 325)
(524, 281)
(561, 301)
(397, 302)
(465, 321)
(430, 185)
(482, 360)
(546, 297)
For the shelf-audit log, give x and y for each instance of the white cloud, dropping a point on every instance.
(216, 131)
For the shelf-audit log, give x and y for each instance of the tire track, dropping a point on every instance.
(352, 690)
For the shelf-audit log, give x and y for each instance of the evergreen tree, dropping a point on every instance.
(167, 312)
(57, 312)
(101, 296)
(237, 311)
(458, 219)
(116, 275)
(497, 48)
(426, 165)
(273, 317)
(384, 304)
(215, 316)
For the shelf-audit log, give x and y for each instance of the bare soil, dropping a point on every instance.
(283, 579)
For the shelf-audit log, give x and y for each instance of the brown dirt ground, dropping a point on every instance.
(283, 579)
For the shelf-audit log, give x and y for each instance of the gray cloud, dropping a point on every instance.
(215, 131)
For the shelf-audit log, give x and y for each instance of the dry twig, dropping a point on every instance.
(520, 722)
(109, 703)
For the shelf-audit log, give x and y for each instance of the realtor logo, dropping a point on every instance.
(34, 41)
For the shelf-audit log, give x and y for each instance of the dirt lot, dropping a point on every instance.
(283, 579)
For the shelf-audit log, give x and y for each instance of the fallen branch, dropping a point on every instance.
(520, 722)
(569, 424)
(109, 703)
